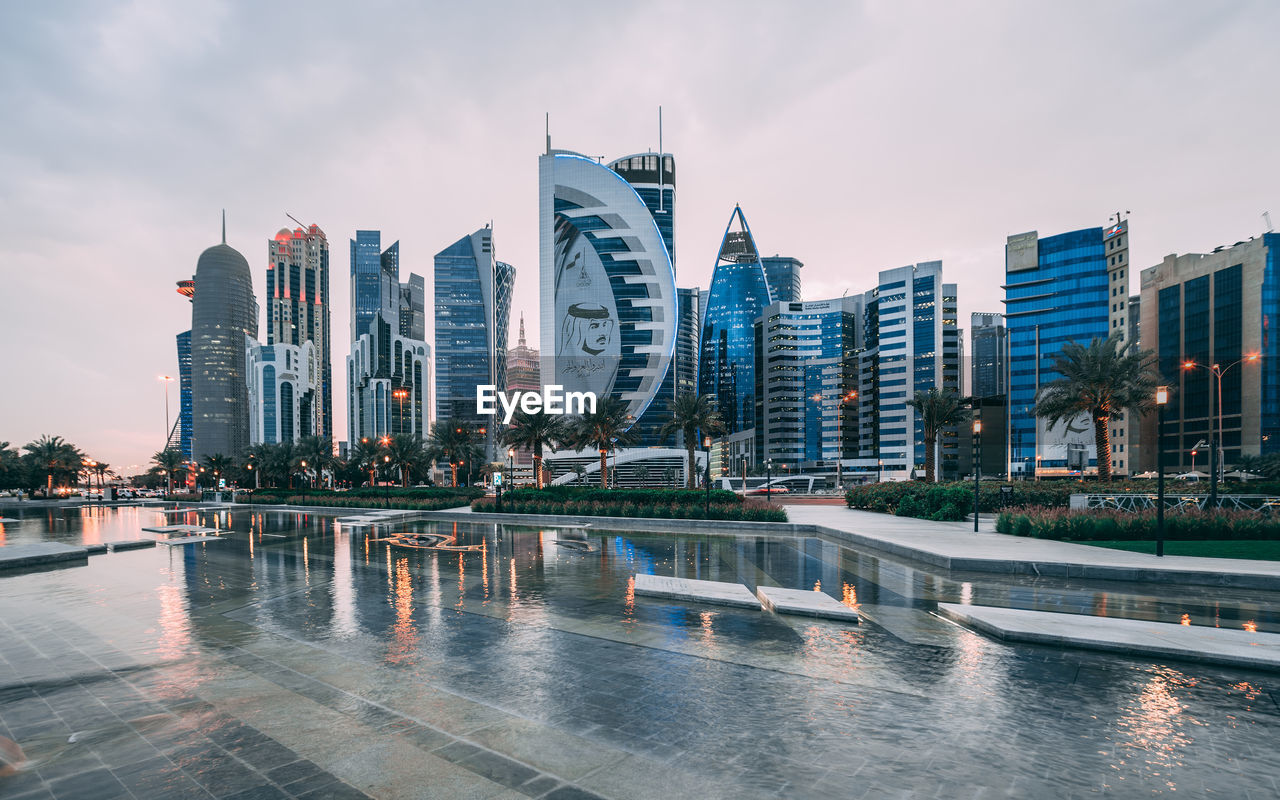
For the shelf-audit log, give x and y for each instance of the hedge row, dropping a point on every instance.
(1114, 525)
(380, 493)
(679, 497)
(368, 501)
(952, 501)
(748, 511)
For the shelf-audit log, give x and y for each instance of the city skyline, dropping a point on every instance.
(925, 150)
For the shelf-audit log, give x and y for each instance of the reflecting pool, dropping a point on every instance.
(297, 656)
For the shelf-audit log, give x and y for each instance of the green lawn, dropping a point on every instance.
(1264, 550)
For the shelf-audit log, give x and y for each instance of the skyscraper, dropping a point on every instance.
(375, 283)
(606, 284)
(653, 177)
(283, 380)
(388, 372)
(472, 307)
(522, 375)
(809, 368)
(1214, 308)
(413, 308)
(783, 275)
(1056, 291)
(918, 348)
(181, 437)
(298, 312)
(987, 340)
(224, 314)
(738, 294)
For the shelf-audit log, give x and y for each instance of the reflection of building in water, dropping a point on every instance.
(607, 283)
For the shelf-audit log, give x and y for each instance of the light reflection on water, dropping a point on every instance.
(535, 645)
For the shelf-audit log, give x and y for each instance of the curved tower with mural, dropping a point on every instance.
(606, 281)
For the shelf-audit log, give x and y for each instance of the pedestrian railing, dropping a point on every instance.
(1176, 501)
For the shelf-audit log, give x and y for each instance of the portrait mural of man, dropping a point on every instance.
(587, 350)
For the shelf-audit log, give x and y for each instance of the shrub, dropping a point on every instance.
(1112, 525)
(638, 503)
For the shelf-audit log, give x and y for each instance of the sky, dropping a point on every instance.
(856, 137)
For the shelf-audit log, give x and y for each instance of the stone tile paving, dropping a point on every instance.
(317, 665)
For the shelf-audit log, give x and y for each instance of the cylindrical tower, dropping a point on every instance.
(223, 313)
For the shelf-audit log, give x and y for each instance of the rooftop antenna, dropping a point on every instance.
(1266, 217)
(548, 133)
(224, 226)
(295, 219)
(662, 185)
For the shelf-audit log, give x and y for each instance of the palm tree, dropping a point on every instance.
(607, 427)
(408, 452)
(938, 409)
(216, 465)
(168, 462)
(1099, 380)
(366, 455)
(533, 432)
(453, 441)
(317, 451)
(54, 457)
(642, 473)
(11, 468)
(689, 415)
(277, 463)
(103, 469)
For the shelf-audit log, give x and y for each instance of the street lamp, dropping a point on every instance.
(706, 506)
(879, 469)
(306, 479)
(1215, 447)
(844, 398)
(1162, 399)
(386, 461)
(768, 477)
(977, 468)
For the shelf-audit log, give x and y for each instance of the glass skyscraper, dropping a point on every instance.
(1215, 308)
(783, 276)
(184, 394)
(1056, 291)
(653, 177)
(738, 295)
(606, 284)
(472, 307)
(224, 320)
(809, 363)
(918, 345)
(375, 286)
(986, 344)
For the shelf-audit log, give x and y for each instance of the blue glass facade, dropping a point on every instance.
(1270, 350)
(463, 360)
(374, 280)
(657, 191)
(1055, 295)
(184, 393)
(738, 295)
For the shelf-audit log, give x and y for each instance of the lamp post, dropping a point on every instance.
(1162, 399)
(768, 476)
(977, 468)
(1038, 457)
(167, 380)
(879, 469)
(386, 463)
(306, 478)
(706, 506)
(844, 398)
(1215, 446)
(511, 464)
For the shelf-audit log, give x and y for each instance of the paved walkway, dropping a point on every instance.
(954, 545)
